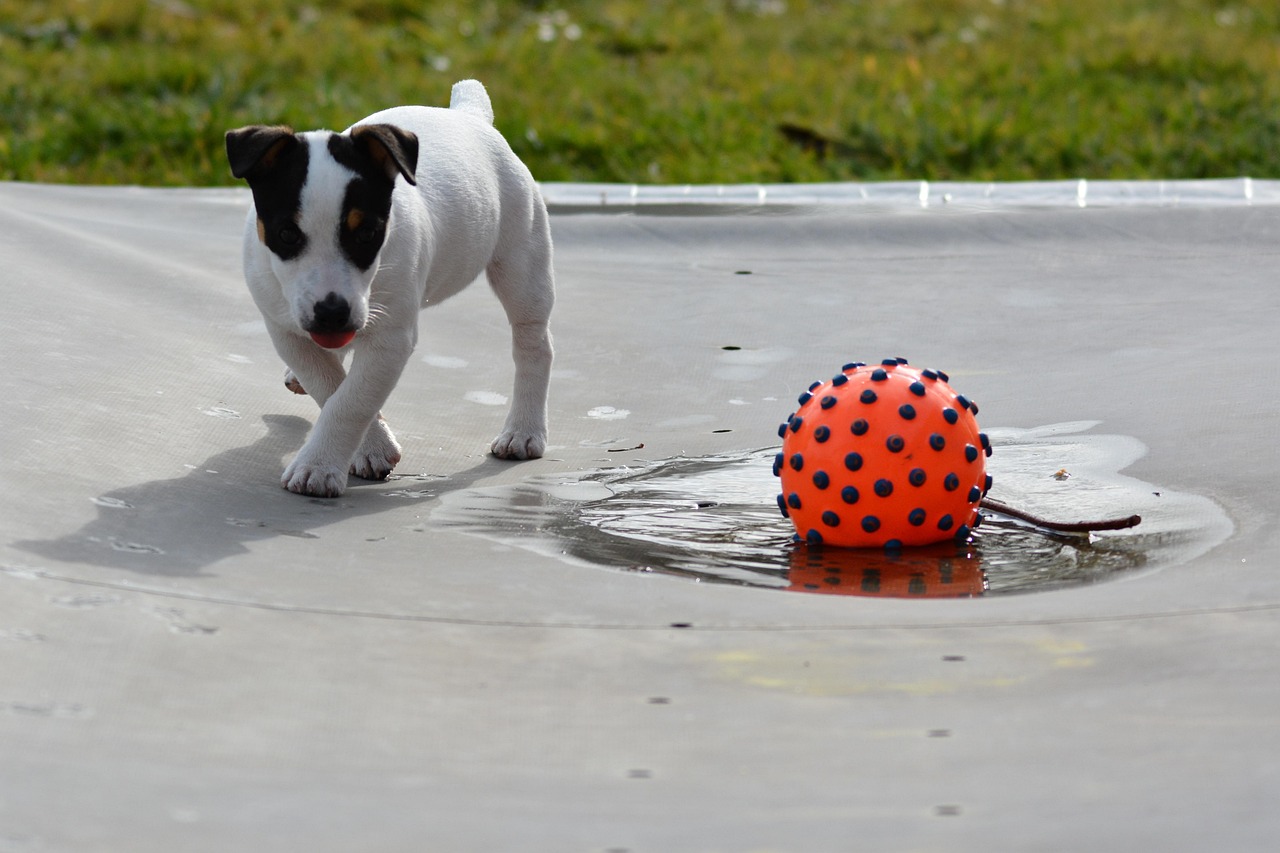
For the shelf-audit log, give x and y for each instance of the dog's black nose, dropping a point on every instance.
(332, 314)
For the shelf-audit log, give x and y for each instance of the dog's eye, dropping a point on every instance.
(368, 235)
(289, 235)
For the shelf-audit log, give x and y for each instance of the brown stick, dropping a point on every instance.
(1064, 527)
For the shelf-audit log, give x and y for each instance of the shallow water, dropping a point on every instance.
(715, 520)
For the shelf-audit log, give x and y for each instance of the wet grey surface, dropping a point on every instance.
(195, 659)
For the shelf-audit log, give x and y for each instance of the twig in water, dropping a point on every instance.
(1064, 527)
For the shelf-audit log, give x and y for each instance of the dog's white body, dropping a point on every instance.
(475, 208)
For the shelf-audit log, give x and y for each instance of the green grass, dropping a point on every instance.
(141, 91)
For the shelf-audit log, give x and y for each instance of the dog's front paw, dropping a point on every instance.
(291, 382)
(378, 453)
(513, 444)
(321, 481)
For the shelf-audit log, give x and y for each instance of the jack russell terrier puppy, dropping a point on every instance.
(352, 233)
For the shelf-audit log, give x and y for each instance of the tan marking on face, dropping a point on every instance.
(262, 232)
(354, 218)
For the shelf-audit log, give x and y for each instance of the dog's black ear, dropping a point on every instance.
(257, 147)
(392, 149)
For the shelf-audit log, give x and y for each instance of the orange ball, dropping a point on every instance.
(882, 456)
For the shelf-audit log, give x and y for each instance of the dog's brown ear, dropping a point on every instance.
(257, 147)
(391, 148)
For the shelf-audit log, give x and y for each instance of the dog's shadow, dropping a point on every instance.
(179, 527)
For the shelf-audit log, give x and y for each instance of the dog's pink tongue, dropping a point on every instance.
(332, 340)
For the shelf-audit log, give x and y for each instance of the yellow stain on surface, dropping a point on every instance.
(738, 657)
(1066, 654)
(841, 669)
(832, 676)
(1061, 647)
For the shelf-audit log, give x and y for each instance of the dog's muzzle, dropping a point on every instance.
(331, 325)
(331, 314)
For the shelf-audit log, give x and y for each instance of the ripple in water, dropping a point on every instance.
(715, 520)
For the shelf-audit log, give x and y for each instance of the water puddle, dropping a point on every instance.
(715, 520)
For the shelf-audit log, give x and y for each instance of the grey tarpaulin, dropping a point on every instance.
(193, 659)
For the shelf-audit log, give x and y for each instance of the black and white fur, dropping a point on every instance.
(356, 232)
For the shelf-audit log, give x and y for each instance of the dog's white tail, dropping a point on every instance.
(470, 97)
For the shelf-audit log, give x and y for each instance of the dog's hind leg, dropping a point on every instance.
(525, 284)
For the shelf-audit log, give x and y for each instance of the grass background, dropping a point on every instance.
(700, 91)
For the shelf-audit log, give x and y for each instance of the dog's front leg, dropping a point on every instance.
(317, 372)
(349, 422)
(312, 369)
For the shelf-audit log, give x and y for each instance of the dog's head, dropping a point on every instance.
(323, 202)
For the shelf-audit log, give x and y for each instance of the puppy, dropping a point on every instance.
(352, 233)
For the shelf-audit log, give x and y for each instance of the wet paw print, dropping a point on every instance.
(882, 456)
